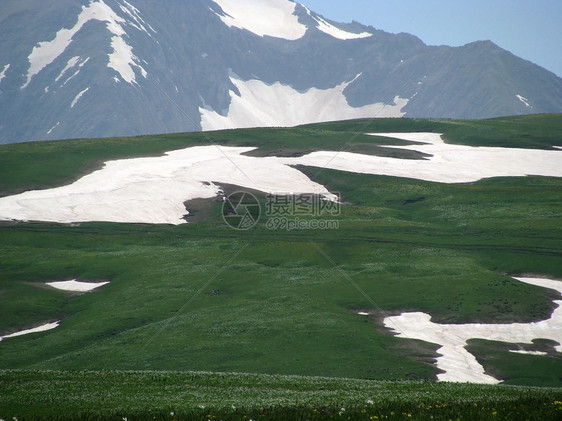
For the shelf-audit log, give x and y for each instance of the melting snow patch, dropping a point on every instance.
(75, 100)
(153, 190)
(3, 72)
(260, 104)
(43, 328)
(448, 163)
(275, 18)
(457, 363)
(524, 101)
(76, 286)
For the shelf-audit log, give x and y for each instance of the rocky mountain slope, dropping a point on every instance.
(96, 68)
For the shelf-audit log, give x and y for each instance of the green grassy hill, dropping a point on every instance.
(204, 297)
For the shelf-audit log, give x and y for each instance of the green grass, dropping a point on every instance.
(203, 297)
(62, 162)
(111, 395)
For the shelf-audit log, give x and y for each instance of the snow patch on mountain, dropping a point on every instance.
(3, 72)
(524, 101)
(75, 100)
(53, 128)
(274, 18)
(134, 13)
(73, 61)
(332, 30)
(122, 60)
(263, 105)
(69, 65)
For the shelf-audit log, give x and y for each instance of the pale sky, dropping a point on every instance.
(530, 29)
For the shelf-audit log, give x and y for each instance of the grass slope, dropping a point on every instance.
(203, 297)
(170, 396)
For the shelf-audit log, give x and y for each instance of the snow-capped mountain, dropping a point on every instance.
(92, 68)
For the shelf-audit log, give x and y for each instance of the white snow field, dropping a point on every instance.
(121, 59)
(448, 163)
(42, 328)
(263, 105)
(330, 29)
(76, 286)
(274, 18)
(457, 363)
(3, 72)
(153, 190)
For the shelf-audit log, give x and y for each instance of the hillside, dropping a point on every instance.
(314, 299)
(100, 68)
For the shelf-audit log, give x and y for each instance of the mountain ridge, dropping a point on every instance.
(96, 68)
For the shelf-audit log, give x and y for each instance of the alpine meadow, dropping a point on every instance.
(186, 304)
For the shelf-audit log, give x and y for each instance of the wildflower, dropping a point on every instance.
(494, 413)
(172, 414)
(370, 402)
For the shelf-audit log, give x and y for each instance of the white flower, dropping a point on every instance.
(370, 402)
